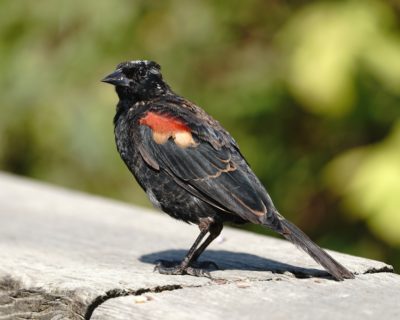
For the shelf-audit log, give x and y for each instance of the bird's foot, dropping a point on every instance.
(173, 268)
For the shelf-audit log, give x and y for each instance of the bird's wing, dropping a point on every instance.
(202, 158)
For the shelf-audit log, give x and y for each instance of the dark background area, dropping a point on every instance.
(309, 89)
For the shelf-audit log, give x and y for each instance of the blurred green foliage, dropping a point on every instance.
(309, 89)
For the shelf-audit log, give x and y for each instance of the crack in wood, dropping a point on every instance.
(386, 268)
(115, 293)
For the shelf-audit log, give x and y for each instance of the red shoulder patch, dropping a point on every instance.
(163, 123)
(165, 127)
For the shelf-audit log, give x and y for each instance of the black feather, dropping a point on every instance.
(206, 180)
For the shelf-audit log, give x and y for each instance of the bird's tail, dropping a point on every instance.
(300, 239)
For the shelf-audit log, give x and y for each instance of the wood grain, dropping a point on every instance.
(69, 255)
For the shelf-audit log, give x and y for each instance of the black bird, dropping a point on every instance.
(191, 167)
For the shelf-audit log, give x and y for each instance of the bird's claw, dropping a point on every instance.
(171, 268)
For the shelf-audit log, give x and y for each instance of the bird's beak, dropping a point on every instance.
(117, 78)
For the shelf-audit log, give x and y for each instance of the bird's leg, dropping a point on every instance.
(215, 230)
(184, 266)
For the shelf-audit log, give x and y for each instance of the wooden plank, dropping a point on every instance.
(63, 253)
(372, 296)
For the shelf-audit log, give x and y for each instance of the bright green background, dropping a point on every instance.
(309, 89)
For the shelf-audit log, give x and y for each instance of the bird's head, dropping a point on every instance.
(138, 80)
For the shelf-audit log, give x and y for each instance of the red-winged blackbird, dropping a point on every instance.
(191, 167)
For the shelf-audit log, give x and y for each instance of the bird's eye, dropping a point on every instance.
(129, 73)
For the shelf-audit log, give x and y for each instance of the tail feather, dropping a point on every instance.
(300, 239)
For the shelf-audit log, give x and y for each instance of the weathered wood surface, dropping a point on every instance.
(68, 255)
